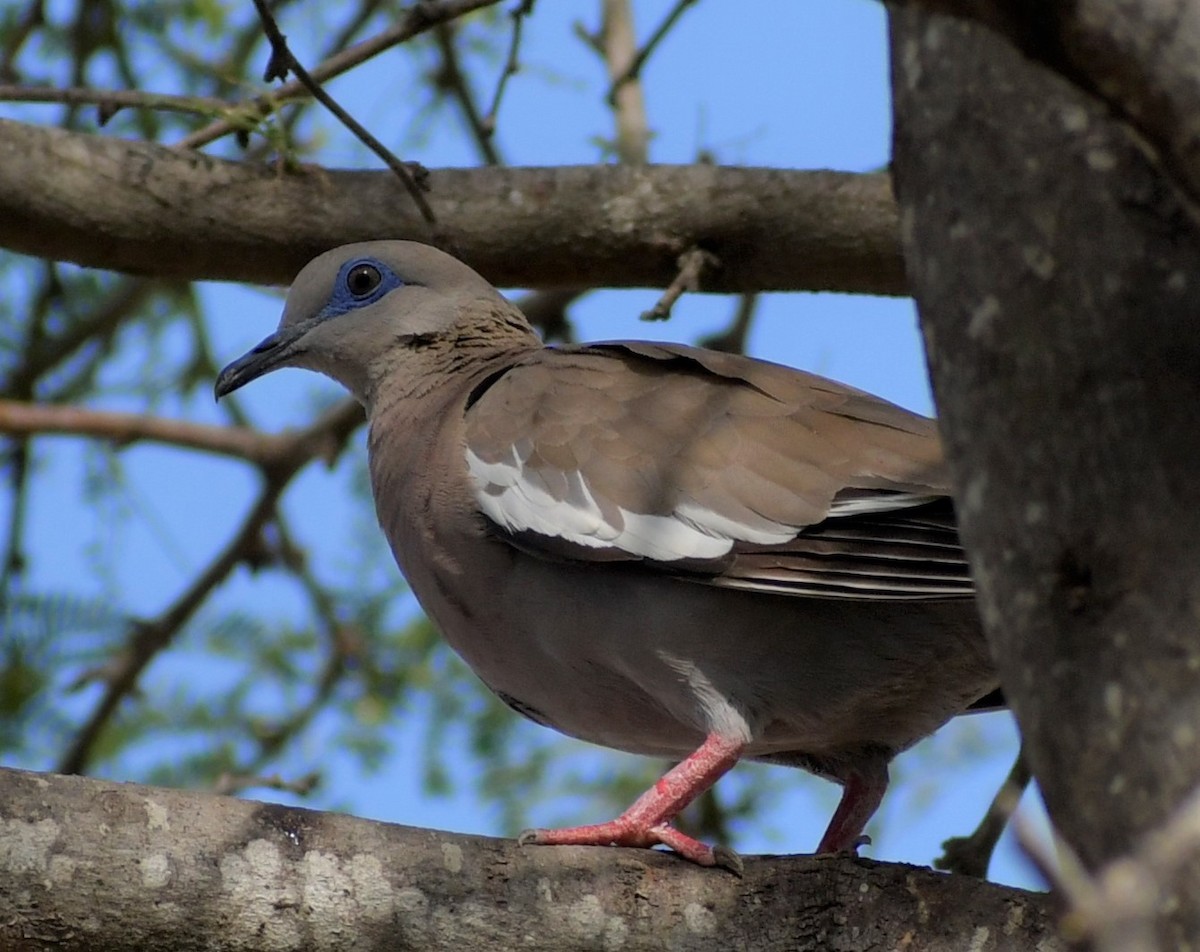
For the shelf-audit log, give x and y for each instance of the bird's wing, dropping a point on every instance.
(728, 470)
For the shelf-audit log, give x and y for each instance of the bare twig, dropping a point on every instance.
(1118, 905)
(420, 17)
(110, 100)
(547, 311)
(452, 78)
(732, 340)
(282, 62)
(30, 419)
(33, 17)
(971, 855)
(231, 783)
(634, 70)
(14, 562)
(511, 63)
(99, 325)
(13, 565)
(619, 46)
(149, 638)
(341, 646)
(691, 266)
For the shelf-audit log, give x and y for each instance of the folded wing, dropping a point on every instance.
(720, 468)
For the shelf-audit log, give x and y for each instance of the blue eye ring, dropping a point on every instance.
(359, 283)
(362, 279)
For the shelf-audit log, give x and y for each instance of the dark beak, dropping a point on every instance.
(271, 352)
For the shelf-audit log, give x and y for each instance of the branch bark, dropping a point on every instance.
(88, 864)
(1054, 265)
(143, 208)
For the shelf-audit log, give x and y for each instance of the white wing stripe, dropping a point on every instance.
(519, 500)
(884, 502)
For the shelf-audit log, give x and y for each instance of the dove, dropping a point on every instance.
(656, 548)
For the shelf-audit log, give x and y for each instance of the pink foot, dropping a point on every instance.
(647, 822)
(861, 795)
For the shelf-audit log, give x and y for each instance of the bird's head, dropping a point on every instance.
(352, 309)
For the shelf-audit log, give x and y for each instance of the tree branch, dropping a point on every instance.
(617, 43)
(421, 17)
(140, 207)
(634, 70)
(150, 638)
(110, 100)
(512, 64)
(18, 418)
(189, 871)
(283, 61)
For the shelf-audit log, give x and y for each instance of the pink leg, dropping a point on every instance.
(648, 822)
(860, 799)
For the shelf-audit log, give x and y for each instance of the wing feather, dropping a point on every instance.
(723, 469)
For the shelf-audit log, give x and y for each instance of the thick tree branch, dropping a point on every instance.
(139, 207)
(95, 865)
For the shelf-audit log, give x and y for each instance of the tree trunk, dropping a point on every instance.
(1056, 267)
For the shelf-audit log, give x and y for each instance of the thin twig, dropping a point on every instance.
(619, 45)
(511, 63)
(1118, 905)
(691, 266)
(282, 62)
(13, 564)
(33, 17)
(97, 327)
(732, 340)
(634, 70)
(230, 783)
(971, 855)
(342, 645)
(265, 450)
(547, 311)
(451, 77)
(113, 99)
(148, 639)
(421, 17)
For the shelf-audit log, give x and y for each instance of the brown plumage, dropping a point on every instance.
(661, 549)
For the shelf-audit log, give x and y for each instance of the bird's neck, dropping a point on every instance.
(419, 370)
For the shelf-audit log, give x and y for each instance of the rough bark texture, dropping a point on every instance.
(1139, 58)
(1056, 273)
(87, 864)
(143, 208)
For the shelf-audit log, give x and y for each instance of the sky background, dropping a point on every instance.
(794, 85)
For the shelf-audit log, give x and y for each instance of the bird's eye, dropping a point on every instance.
(363, 279)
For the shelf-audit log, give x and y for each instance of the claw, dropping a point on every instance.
(647, 822)
(730, 860)
(621, 832)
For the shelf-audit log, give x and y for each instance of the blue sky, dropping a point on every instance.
(799, 85)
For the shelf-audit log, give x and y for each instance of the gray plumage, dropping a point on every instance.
(657, 548)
